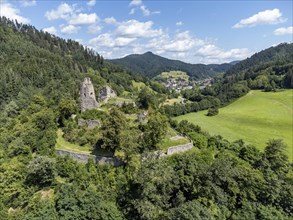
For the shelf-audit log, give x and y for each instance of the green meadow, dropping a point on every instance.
(255, 118)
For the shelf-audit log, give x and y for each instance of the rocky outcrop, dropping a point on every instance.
(87, 95)
(106, 93)
(102, 160)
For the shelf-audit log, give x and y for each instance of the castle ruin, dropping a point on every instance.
(106, 93)
(87, 95)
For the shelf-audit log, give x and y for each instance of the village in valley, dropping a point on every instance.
(178, 81)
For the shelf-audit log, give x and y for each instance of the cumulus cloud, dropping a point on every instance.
(137, 5)
(51, 30)
(108, 40)
(134, 28)
(93, 29)
(80, 19)
(135, 36)
(62, 12)
(145, 11)
(284, 31)
(212, 54)
(179, 23)
(28, 3)
(91, 3)
(11, 12)
(181, 42)
(74, 18)
(110, 20)
(264, 17)
(135, 2)
(69, 29)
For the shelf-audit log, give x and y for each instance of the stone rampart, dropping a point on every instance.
(102, 160)
(179, 148)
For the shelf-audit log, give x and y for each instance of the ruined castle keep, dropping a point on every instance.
(87, 95)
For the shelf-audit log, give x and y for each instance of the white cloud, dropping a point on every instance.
(181, 42)
(91, 3)
(110, 20)
(264, 17)
(212, 54)
(11, 12)
(134, 28)
(179, 23)
(132, 11)
(137, 5)
(107, 40)
(123, 41)
(134, 36)
(28, 3)
(64, 11)
(51, 30)
(284, 31)
(135, 2)
(69, 29)
(145, 11)
(81, 18)
(93, 29)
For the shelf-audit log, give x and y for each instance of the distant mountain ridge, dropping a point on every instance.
(151, 65)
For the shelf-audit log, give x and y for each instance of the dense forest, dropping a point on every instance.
(151, 65)
(39, 92)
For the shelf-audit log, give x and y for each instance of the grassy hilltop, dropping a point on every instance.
(255, 118)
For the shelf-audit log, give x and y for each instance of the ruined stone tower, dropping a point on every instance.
(87, 95)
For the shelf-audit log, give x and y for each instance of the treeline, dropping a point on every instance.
(181, 109)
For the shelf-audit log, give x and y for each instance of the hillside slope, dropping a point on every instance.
(33, 61)
(268, 70)
(255, 118)
(151, 65)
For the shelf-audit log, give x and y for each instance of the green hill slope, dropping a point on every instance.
(255, 118)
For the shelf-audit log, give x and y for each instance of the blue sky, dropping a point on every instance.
(191, 31)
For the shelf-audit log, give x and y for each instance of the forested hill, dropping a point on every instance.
(278, 55)
(151, 65)
(36, 62)
(268, 70)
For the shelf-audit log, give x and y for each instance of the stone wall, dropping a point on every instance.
(179, 148)
(102, 160)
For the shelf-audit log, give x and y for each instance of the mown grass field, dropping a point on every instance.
(255, 118)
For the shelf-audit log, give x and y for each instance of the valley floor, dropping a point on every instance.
(255, 118)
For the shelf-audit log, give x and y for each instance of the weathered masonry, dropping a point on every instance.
(87, 95)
